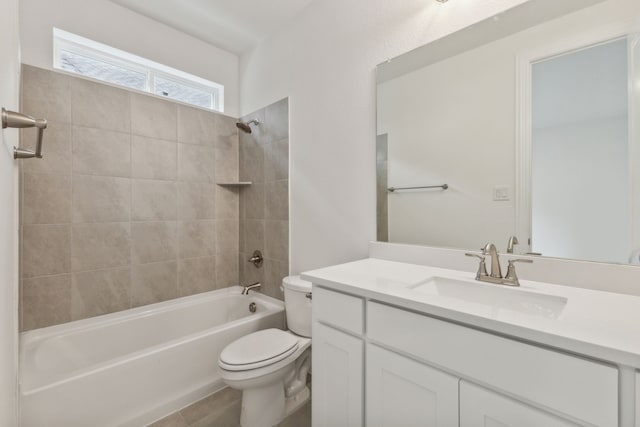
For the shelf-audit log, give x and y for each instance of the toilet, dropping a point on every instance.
(270, 366)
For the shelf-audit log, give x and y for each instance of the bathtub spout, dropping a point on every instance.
(246, 289)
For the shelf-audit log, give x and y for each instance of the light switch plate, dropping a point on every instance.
(501, 193)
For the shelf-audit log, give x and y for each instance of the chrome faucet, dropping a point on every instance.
(246, 289)
(511, 279)
(491, 250)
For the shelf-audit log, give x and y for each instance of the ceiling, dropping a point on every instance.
(234, 25)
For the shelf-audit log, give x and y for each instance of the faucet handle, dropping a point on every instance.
(482, 267)
(511, 278)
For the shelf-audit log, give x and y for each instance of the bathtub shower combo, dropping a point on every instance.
(133, 367)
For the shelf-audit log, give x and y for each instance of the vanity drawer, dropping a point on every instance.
(340, 310)
(583, 389)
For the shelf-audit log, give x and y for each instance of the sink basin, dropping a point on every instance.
(494, 297)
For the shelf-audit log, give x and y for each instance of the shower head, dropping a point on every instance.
(245, 126)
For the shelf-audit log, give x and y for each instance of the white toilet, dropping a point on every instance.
(270, 366)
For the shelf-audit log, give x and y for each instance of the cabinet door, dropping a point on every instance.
(403, 392)
(337, 378)
(637, 399)
(483, 408)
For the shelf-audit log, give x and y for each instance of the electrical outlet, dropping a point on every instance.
(501, 193)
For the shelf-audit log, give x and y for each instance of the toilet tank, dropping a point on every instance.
(297, 304)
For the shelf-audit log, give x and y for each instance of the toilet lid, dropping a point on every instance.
(258, 349)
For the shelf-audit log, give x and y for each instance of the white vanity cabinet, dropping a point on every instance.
(481, 407)
(578, 388)
(380, 365)
(403, 392)
(337, 380)
(637, 399)
(338, 360)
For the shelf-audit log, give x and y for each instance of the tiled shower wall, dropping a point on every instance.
(264, 205)
(123, 209)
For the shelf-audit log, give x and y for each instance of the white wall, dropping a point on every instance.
(116, 26)
(9, 86)
(324, 60)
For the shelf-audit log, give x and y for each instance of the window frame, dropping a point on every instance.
(65, 41)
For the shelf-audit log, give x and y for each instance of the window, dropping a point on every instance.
(88, 58)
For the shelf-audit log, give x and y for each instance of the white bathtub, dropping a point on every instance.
(133, 367)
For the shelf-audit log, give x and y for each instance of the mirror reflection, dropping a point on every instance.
(529, 136)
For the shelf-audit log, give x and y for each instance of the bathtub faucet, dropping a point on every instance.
(246, 289)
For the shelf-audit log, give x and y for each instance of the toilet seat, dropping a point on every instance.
(257, 350)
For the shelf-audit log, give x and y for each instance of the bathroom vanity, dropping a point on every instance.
(398, 344)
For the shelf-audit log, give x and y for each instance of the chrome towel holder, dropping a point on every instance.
(11, 119)
(393, 189)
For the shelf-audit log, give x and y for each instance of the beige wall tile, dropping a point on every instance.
(46, 301)
(277, 120)
(196, 275)
(195, 200)
(274, 272)
(154, 200)
(101, 152)
(46, 199)
(276, 240)
(225, 131)
(253, 235)
(253, 201)
(252, 163)
(227, 270)
(56, 149)
(153, 117)
(94, 293)
(195, 163)
(196, 239)
(196, 126)
(100, 106)
(101, 199)
(153, 241)
(227, 164)
(103, 178)
(46, 95)
(276, 160)
(276, 200)
(153, 158)
(46, 250)
(103, 245)
(227, 202)
(151, 283)
(227, 231)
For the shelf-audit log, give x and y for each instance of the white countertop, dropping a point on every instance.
(601, 325)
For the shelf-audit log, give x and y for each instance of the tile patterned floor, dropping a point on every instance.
(222, 409)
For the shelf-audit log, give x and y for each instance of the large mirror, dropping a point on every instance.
(527, 125)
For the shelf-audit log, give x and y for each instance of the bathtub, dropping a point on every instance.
(133, 367)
